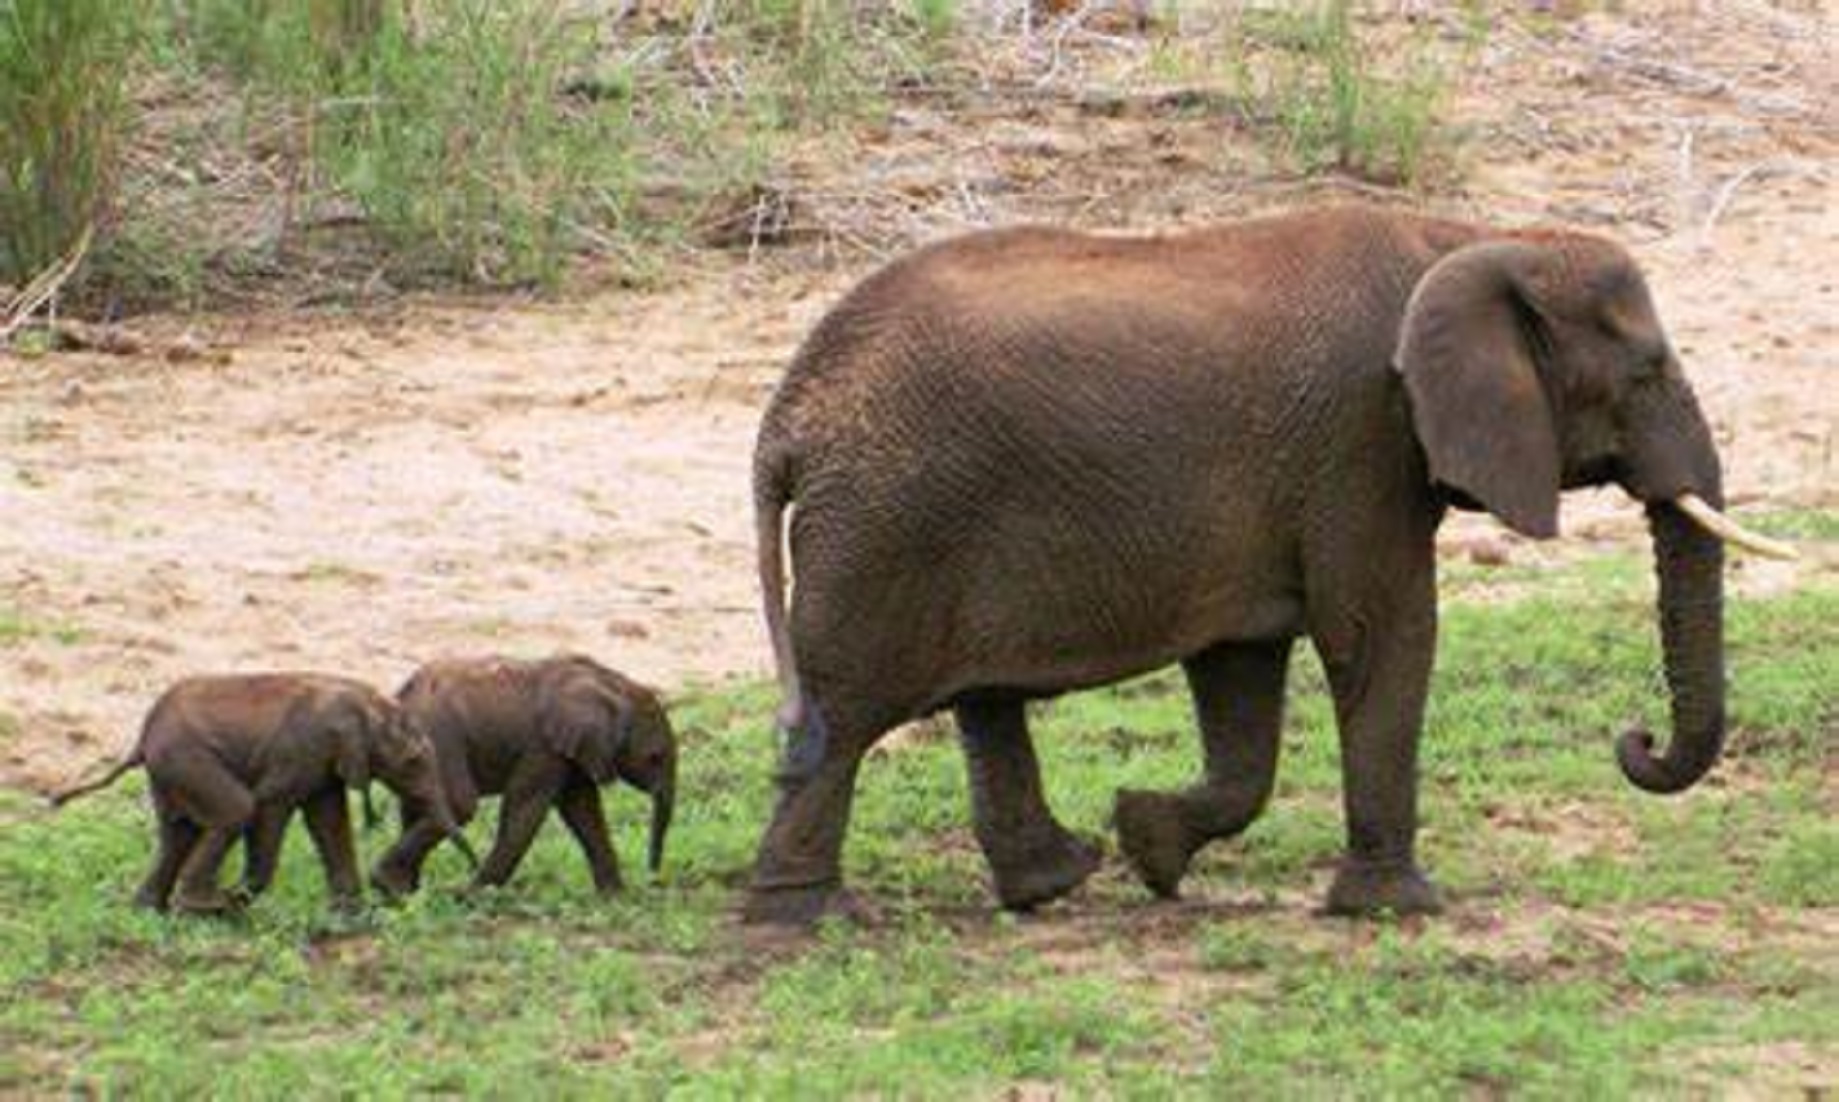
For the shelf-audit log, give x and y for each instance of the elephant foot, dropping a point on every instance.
(1154, 838)
(394, 882)
(806, 906)
(212, 904)
(1364, 889)
(1043, 873)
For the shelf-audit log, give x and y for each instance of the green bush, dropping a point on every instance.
(63, 120)
(462, 151)
(1338, 107)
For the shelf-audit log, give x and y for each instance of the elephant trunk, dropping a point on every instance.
(1690, 565)
(663, 805)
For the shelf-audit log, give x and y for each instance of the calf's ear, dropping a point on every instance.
(352, 734)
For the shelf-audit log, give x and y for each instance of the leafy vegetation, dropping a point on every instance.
(64, 117)
(1337, 106)
(342, 144)
(1600, 942)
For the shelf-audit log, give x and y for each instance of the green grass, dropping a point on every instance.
(19, 627)
(1813, 525)
(1599, 943)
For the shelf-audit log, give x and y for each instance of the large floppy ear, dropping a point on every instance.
(1467, 354)
(351, 737)
(587, 725)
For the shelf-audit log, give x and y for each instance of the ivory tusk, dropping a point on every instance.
(1730, 531)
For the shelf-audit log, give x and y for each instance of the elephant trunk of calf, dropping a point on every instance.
(1690, 564)
(663, 805)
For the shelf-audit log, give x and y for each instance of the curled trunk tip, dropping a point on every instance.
(1689, 562)
(1662, 775)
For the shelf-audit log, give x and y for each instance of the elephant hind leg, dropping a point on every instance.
(1238, 691)
(177, 836)
(528, 795)
(798, 873)
(210, 796)
(1033, 859)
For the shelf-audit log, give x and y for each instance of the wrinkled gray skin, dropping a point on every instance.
(235, 756)
(1030, 461)
(543, 735)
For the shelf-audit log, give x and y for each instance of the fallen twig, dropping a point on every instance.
(46, 285)
(1728, 192)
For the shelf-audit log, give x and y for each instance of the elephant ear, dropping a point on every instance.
(589, 726)
(1467, 355)
(351, 744)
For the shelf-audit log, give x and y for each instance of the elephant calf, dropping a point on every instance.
(233, 757)
(541, 734)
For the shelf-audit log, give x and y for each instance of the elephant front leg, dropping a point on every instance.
(1379, 674)
(1238, 691)
(328, 821)
(1033, 859)
(587, 820)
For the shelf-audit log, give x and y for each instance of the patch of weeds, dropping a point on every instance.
(336, 572)
(462, 155)
(1820, 525)
(1802, 868)
(1243, 946)
(1371, 1025)
(935, 19)
(64, 109)
(17, 627)
(1654, 964)
(1335, 105)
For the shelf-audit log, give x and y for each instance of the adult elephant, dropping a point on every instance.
(1030, 461)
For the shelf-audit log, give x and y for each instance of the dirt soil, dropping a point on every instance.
(364, 492)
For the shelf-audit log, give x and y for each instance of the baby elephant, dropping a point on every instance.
(541, 734)
(232, 757)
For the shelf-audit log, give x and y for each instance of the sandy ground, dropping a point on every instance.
(362, 493)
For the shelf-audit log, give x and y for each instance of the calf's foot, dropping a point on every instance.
(393, 881)
(215, 902)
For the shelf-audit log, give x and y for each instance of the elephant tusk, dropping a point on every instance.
(1730, 531)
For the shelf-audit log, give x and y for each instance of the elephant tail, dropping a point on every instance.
(115, 773)
(772, 497)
